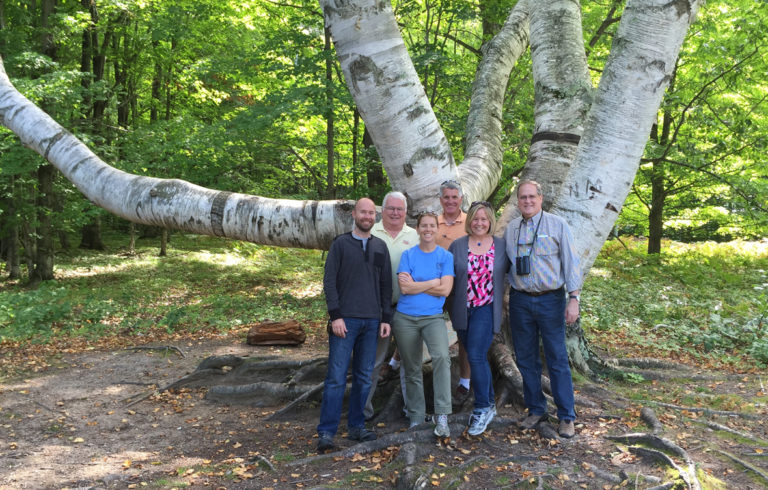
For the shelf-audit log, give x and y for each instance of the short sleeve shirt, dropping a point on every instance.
(424, 266)
(446, 233)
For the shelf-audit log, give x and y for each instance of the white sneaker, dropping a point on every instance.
(479, 420)
(441, 425)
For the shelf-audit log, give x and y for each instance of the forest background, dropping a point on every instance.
(249, 97)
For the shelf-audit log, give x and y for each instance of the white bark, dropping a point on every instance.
(413, 148)
(391, 99)
(631, 88)
(563, 91)
(563, 94)
(171, 203)
(481, 169)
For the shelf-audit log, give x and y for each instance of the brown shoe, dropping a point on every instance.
(459, 397)
(566, 429)
(532, 421)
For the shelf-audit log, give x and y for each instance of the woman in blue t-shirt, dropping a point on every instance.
(425, 276)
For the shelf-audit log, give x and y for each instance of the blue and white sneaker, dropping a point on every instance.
(480, 419)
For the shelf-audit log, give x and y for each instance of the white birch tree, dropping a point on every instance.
(408, 137)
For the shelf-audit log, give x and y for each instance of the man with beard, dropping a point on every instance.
(358, 292)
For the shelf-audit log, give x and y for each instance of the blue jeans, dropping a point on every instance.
(531, 317)
(360, 346)
(476, 340)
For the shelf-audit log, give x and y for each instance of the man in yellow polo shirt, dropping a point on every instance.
(398, 237)
(450, 226)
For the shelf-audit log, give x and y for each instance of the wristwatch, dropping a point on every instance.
(574, 296)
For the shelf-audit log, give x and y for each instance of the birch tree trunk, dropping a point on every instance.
(563, 95)
(386, 88)
(481, 169)
(171, 203)
(631, 88)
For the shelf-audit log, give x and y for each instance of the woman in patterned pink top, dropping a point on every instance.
(475, 304)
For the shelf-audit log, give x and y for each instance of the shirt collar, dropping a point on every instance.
(460, 219)
(533, 219)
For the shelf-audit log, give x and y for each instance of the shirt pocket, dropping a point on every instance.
(545, 246)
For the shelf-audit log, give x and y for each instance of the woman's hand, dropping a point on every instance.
(409, 286)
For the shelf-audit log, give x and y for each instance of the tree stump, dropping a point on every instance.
(270, 332)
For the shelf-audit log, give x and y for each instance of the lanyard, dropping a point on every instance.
(535, 236)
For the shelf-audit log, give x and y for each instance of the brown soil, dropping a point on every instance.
(70, 426)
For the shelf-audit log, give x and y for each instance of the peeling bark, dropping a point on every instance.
(390, 98)
(481, 169)
(631, 88)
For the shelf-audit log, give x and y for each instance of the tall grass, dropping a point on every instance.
(706, 302)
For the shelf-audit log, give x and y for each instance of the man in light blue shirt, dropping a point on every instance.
(544, 266)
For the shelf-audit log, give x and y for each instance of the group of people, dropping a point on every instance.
(388, 278)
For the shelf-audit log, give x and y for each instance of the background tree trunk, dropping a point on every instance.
(163, 242)
(635, 77)
(90, 238)
(329, 118)
(43, 268)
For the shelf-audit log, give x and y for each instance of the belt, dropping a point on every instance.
(540, 293)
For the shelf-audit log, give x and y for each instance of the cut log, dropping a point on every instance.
(270, 332)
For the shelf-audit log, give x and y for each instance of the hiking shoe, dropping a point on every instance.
(566, 429)
(325, 443)
(459, 397)
(532, 421)
(441, 425)
(360, 434)
(479, 421)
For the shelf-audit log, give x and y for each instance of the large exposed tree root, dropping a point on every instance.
(649, 417)
(746, 465)
(662, 447)
(422, 433)
(725, 428)
(706, 411)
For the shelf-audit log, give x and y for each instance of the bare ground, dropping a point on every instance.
(73, 425)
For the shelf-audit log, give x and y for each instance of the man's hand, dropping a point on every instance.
(384, 330)
(339, 328)
(571, 311)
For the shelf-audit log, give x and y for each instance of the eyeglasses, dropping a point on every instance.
(393, 209)
(449, 181)
(481, 203)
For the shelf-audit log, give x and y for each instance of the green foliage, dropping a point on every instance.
(708, 150)
(704, 301)
(204, 283)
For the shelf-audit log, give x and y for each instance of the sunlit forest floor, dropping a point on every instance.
(69, 371)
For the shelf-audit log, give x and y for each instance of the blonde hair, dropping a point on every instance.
(473, 209)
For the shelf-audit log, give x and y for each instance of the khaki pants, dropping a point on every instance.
(410, 331)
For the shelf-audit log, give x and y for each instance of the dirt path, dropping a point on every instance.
(71, 427)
